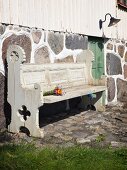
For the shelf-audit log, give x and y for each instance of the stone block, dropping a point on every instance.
(17, 28)
(85, 55)
(110, 46)
(10, 27)
(83, 141)
(21, 40)
(42, 55)
(2, 29)
(126, 56)
(56, 41)
(26, 29)
(125, 71)
(115, 48)
(123, 41)
(117, 41)
(111, 88)
(121, 49)
(121, 90)
(117, 144)
(36, 34)
(2, 115)
(113, 64)
(68, 59)
(74, 41)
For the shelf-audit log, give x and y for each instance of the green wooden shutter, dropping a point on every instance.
(96, 45)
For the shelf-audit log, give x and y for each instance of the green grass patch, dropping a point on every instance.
(100, 138)
(28, 157)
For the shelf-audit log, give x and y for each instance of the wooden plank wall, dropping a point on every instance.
(77, 16)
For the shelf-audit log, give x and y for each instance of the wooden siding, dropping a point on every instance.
(122, 26)
(77, 16)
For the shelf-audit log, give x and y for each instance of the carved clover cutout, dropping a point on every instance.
(24, 112)
(14, 56)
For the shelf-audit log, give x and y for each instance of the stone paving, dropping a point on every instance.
(87, 128)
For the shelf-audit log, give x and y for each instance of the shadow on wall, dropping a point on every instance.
(7, 106)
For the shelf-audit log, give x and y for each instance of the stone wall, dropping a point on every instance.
(116, 70)
(40, 46)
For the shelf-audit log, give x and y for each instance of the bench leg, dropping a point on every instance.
(16, 121)
(29, 126)
(25, 114)
(97, 101)
(32, 124)
(32, 98)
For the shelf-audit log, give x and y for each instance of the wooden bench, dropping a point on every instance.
(28, 82)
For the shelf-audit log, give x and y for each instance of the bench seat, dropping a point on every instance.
(74, 92)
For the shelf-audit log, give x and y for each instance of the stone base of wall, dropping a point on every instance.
(116, 70)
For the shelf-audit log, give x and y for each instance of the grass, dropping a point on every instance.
(28, 157)
(100, 138)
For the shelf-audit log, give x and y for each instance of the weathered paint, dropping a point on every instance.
(96, 45)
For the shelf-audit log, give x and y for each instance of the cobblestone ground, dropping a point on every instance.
(87, 128)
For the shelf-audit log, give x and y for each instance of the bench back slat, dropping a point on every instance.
(51, 75)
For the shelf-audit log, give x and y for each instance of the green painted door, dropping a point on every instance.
(96, 45)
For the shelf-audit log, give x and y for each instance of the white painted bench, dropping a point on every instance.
(28, 82)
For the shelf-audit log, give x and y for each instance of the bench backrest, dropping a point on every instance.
(51, 75)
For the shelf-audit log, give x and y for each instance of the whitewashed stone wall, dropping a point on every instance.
(116, 70)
